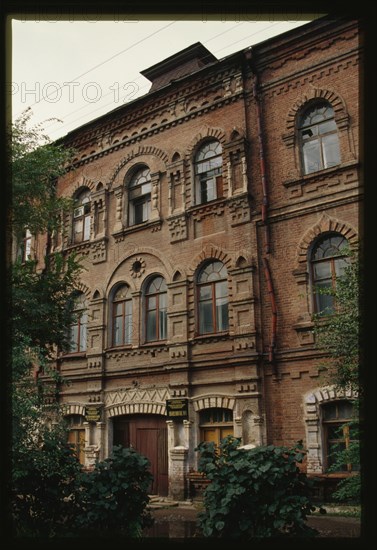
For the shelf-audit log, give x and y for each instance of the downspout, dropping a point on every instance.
(265, 205)
(262, 167)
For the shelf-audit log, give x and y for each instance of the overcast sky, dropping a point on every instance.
(77, 70)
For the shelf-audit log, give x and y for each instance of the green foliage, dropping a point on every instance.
(44, 469)
(254, 493)
(35, 165)
(348, 489)
(40, 309)
(45, 473)
(114, 496)
(339, 334)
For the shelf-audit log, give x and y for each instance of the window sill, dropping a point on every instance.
(320, 174)
(74, 355)
(154, 225)
(212, 337)
(210, 204)
(83, 244)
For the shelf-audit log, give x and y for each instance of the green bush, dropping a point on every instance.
(43, 487)
(254, 493)
(114, 496)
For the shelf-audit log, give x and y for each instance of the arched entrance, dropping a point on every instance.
(147, 434)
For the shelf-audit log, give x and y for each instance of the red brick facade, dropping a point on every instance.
(261, 226)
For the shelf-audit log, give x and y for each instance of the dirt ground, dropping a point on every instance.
(180, 522)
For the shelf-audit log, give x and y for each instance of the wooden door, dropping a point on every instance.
(147, 434)
(77, 439)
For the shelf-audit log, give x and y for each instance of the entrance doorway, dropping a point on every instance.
(147, 434)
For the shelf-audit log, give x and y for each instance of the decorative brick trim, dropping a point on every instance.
(137, 408)
(313, 426)
(209, 401)
(325, 224)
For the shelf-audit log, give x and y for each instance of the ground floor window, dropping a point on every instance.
(76, 436)
(340, 431)
(215, 424)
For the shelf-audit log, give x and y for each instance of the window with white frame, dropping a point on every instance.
(156, 310)
(212, 298)
(81, 218)
(318, 138)
(139, 196)
(121, 316)
(24, 249)
(78, 328)
(208, 172)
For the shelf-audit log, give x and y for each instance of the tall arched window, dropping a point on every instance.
(327, 262)
(122, 316)
(78, 328)
(340, 431)
(318, 137)
(81, 217)
(139, 196)
(208, 172)
(212, 298)
(156, 310)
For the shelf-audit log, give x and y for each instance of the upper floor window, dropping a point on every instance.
(78, 329)
(24, 249)
(318, 136)
(81, 217)
(156, 309)
(327, 262)
(212, 298)
(139, 197)
(340, 431)
(122, 316)
(208, 172)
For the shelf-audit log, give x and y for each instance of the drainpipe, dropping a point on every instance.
(267, 274)
(262, 168)
(265, 205)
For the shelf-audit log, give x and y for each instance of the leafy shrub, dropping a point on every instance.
(43, 487)
(254, 493)
(114, 496)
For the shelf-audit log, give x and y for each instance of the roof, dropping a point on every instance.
(180, 64)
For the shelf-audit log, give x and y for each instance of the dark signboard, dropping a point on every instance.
(93, 414)
(177, 409)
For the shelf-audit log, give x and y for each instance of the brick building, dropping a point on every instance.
(207, 210)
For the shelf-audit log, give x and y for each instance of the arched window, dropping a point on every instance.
(327, 262)
(339, 431)
(81, 217)
(318, 137)
(78, 329)
(208, 172)
(139, 196)
(122, 316)
(156, 310)
(212, 298)
(215, 424)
